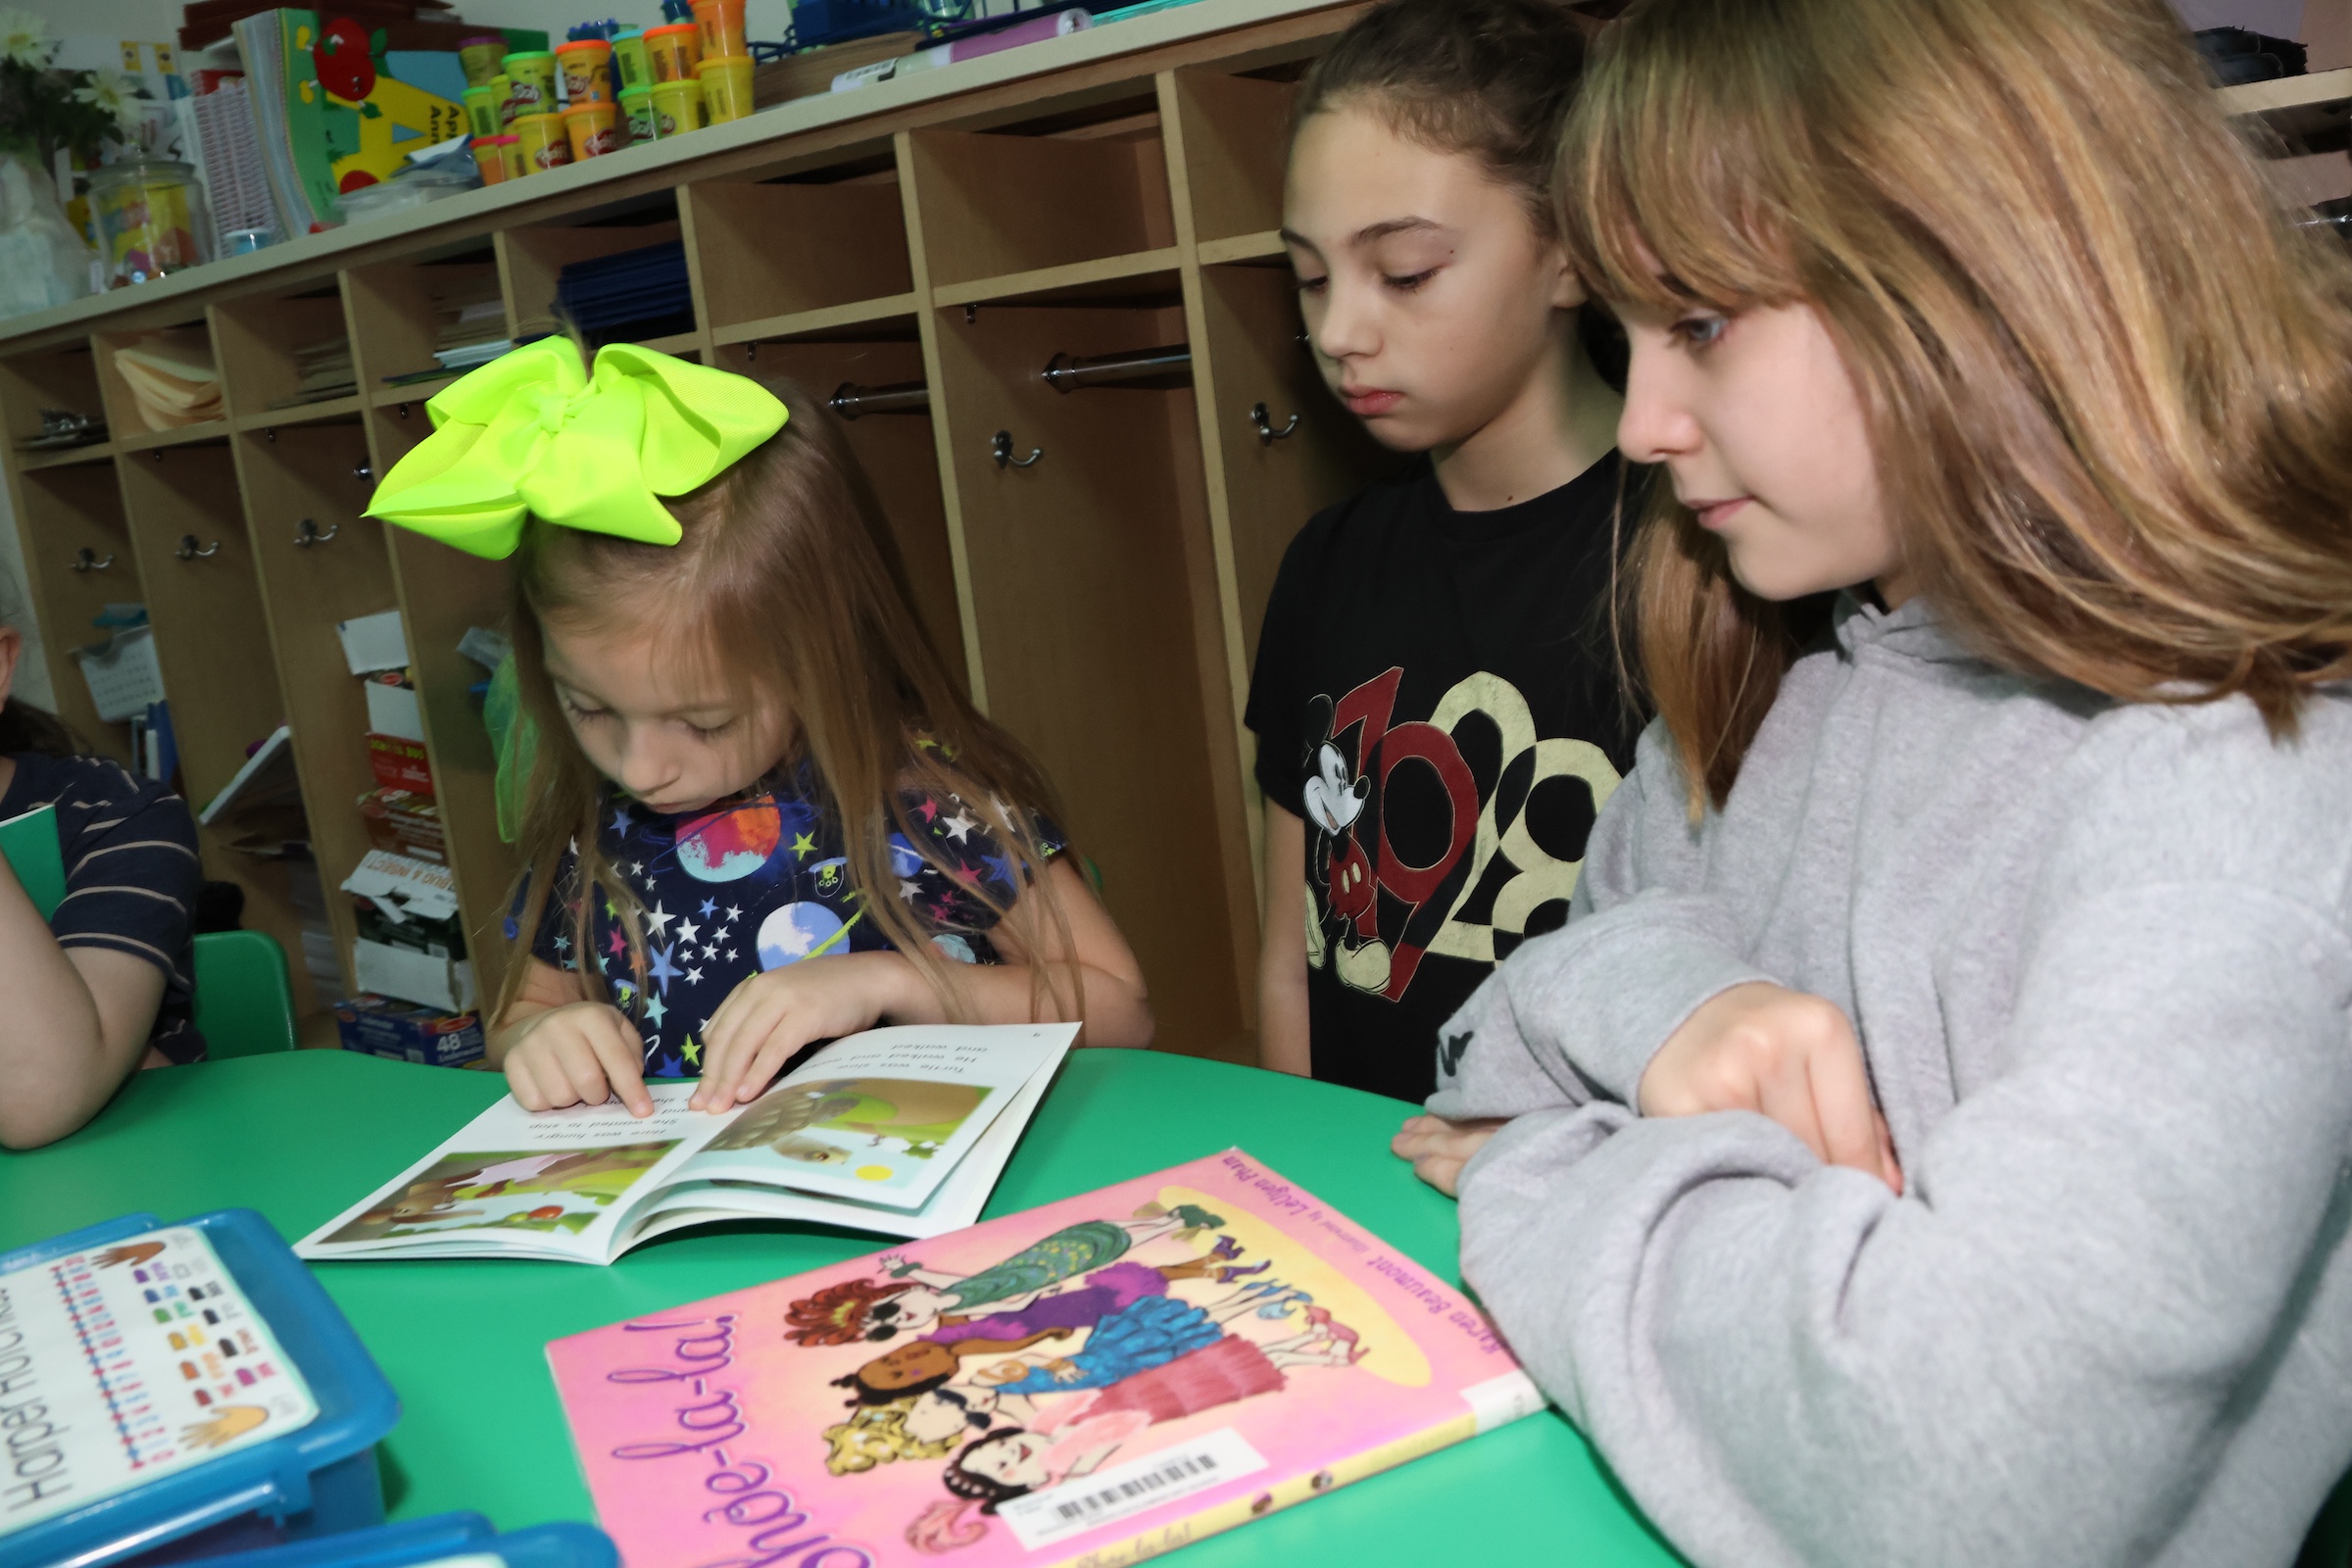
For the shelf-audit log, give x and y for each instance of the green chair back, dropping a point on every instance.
(244, 999)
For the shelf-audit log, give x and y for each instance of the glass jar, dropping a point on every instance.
(151, 220)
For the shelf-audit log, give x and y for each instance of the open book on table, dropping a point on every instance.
(901, 1131)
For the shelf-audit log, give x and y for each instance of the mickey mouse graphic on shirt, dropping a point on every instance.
(1374, 909)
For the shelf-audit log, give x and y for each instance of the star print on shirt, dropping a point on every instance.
(694, 977)
(617, 941)
(687, 930)
(658, 921)
(733, 913)
(710, 908)
(662, 972)
(803, 846)
(655, 1013)
(958, 825)
(562, 944)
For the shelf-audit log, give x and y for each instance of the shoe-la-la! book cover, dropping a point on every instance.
(1093, 1381)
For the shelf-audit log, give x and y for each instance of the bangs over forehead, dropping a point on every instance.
(1673, 182)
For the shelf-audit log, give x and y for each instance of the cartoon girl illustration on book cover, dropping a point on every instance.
(910, 1401)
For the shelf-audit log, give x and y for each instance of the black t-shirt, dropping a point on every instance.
(1435, 698)
(130, 849)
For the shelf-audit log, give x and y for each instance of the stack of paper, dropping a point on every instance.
(321, 370)
(172, 379)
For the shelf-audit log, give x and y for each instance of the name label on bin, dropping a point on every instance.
(126, 1363)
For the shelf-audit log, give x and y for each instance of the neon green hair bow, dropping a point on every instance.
(531, 433)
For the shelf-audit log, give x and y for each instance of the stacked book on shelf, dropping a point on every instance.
(628, 296)
(321, 370)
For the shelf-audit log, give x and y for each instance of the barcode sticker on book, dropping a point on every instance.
(1124, 1491)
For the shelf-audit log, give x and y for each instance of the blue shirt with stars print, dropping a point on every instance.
(757, 883)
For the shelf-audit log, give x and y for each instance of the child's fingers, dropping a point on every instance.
(787, 1035)
(1849, 1123)
(582, 1077)
(1891, 1169)
(1787, 1097)
(721, 1043)
(621, 1054)
(522, 1086)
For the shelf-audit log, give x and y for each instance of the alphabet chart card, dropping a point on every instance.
(126, 1363)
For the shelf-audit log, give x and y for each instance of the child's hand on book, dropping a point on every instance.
(1783, 1054)
(1439, 1148)
(768, 1018)
(581, 1054)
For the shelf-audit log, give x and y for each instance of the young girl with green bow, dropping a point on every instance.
(758, 811)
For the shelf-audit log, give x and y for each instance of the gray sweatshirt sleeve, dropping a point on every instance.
(1578, 1013)
(2039, 1352)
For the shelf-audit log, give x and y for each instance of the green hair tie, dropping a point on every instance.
(532, 434)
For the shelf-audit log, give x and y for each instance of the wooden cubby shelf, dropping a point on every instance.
(1099, 602)
(1112, 191)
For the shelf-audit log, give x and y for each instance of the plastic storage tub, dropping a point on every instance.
(316, 1479)
(466, 1535)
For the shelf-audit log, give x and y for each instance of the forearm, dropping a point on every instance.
(1284, 1036)
(1788, 1364)
(53, 1055)
(1115, 1012)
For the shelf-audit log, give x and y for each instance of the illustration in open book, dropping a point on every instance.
(900, 1130)
(1178, 1354)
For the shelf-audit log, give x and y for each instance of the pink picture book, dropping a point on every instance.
(1093, 1382)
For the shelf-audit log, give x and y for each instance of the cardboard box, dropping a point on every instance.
(392, 706)
(382, 1026)
(373, 642)
(401, 823)
(400, 764)
(411, 938)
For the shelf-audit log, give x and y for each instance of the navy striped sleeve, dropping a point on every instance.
(131, 874)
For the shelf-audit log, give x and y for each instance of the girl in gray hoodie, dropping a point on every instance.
(1930, 1140)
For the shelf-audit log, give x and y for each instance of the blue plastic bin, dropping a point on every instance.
(316, 1481)
(448, 1535)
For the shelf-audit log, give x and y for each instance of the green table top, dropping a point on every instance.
(303, 1134)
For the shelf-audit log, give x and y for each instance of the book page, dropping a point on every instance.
(884, 1117)
(955, 1203)
(128, 1362)
(520, 1183)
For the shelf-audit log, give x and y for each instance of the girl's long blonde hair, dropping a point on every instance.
(2107, 379)
(787, 582)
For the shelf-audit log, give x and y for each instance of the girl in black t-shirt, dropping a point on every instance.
(1436, 710)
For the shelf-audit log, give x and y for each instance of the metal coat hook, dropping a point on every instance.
(270, 434)
(403, 411)
(87, 560)
(751, 352)
(187, 550)
(307, 532)
(362, 472)
(999, 447)
(1263, 418)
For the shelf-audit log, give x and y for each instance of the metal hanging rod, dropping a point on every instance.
(1159, 368)
(852, 401)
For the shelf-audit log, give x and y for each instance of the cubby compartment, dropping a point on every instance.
(784, 256)
(531, 262)
(873, 385)
(320, 562)
(405, 313)
(443, 593)
(61, 379)
(1235, 133)
(1003, 204)
(187, 400)
(79, 558)
(1086, 540)
(285, 356)
(1286, 447)
(212, 635)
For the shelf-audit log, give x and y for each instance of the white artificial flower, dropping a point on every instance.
(24, 39)
(115, 94)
